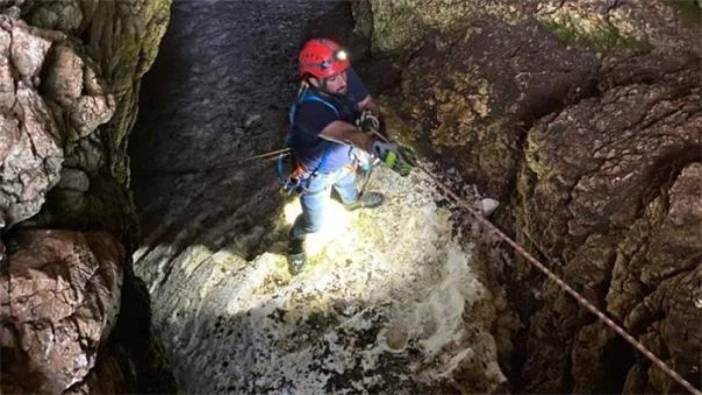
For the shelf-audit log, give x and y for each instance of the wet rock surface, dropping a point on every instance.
(388, 302)
(201, 115)
(60, 300)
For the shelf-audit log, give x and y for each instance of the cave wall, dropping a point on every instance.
(583, 119)
(69, 83)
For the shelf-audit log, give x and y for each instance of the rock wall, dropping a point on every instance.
(403, 25)
(43, 114)
(122, 39)
(69, 82)
(471, 96)
(583, 118)
(620, 168)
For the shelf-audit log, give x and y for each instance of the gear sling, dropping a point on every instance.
(298, 179)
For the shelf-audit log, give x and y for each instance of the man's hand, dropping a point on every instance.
(399, 158)
(368, 122)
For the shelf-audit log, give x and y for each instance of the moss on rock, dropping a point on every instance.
(593, 32)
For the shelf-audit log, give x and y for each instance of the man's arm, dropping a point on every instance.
(398, 158)
(345, 133)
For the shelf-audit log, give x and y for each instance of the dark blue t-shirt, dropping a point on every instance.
(311, 117)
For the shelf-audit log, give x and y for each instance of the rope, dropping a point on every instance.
(579, 298)
(272, 155)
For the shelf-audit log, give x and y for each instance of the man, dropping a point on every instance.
(323, 136)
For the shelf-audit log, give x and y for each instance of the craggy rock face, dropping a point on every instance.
(42, 114)
(69, 82)
(605, 184)
(60, 300)
(602, 161)
(471, 92)
(122, 37)
(30, 144)
(401, 25)
(621, 171)
(122, 40)
(602, 25)
(469, 96)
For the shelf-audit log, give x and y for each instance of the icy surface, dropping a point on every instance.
(384, 304)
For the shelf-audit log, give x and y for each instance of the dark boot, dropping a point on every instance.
(368, 200)
(296, 255)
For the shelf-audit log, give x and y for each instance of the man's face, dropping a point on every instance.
(336, 84)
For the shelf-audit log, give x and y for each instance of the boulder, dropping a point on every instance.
(60, 300)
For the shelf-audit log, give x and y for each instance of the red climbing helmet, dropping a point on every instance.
(322, 58)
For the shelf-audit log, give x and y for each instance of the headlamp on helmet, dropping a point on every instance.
(322, 58)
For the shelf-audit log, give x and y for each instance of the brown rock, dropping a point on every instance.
(469, 95)
(122, 38)
(60, 300)
(64, 81)
(7, 85)
(611, 187)
(92, 82)
(599, 162)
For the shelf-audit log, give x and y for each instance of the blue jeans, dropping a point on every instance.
(315, 198)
